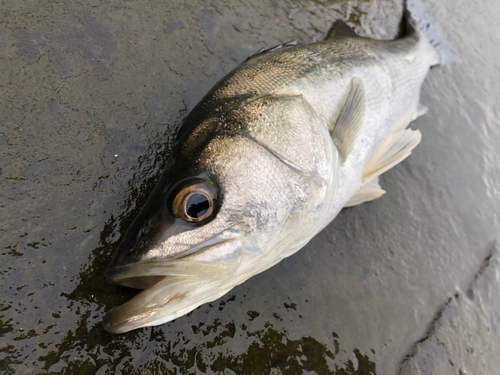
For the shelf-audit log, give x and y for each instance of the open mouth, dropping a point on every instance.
(160, 285)
(137, 276)
(164, 298)
(140, 282)
(172, 287)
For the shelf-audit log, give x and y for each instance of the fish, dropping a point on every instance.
(267, 159)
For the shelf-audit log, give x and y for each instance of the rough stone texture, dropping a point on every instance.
(91, 95)
(463, 337)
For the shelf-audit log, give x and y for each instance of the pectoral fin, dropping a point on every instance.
(350, 120)
(394, 149)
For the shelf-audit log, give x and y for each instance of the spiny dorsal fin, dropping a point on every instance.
(279, 46)
(366, 193)
(395, 149)
(340, 29)
(351, 118)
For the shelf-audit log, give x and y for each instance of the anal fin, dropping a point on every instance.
(367, 192)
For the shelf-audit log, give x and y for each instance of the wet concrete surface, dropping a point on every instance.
(91, 96)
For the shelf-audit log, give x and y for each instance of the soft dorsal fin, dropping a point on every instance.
(351, 119)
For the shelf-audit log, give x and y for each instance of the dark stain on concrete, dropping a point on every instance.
(171, 26)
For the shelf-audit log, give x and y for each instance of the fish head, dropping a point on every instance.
(176, 250)
(222, 211)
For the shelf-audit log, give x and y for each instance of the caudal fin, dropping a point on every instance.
(417, 18)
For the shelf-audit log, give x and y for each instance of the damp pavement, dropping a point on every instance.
(91, 96)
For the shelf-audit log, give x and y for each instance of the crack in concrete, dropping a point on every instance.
(446, 310)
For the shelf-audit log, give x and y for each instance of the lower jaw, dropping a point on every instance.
(121, 319)
(117, 327)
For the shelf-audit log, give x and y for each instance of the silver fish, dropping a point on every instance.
(266, 160)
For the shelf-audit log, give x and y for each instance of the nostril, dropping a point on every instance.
(146, 230)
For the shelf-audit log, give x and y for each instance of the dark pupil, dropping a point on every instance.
(197, 205)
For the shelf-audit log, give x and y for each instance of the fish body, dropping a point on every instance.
(264, 162)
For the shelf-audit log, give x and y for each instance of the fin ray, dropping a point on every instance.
(367, 192)
(351, 118)
(275, 48)
(394, 149)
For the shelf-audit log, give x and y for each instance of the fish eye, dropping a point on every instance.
(195, 202)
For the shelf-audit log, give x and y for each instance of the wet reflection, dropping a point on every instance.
(203, 347)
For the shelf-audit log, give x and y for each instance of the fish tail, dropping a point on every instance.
(416, 20)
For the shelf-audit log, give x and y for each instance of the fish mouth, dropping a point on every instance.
(170, 287)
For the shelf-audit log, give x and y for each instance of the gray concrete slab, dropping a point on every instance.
(463, 336)
(91, 96)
